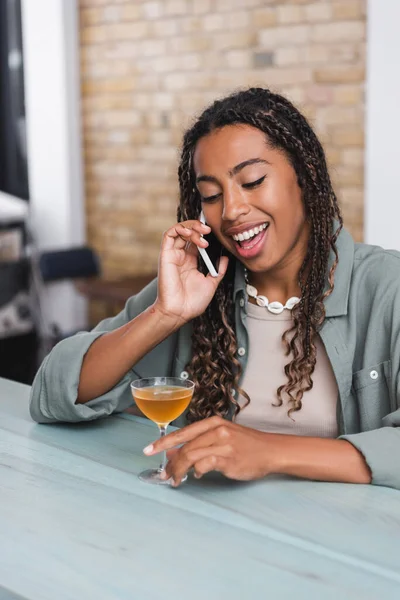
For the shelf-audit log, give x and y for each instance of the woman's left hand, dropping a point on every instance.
(215, 444)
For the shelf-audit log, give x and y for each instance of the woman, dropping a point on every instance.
(312, 391)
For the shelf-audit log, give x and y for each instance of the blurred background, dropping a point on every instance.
(94, 98)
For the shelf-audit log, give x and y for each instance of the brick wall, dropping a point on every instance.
(149, 66)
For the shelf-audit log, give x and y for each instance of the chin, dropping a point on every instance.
(260, 264)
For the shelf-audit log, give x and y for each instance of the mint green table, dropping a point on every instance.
(76, 523)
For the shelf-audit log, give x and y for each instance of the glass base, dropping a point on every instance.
(153, 476)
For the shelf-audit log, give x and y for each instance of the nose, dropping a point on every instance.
(235, 204)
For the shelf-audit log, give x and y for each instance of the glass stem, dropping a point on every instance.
(163, 431)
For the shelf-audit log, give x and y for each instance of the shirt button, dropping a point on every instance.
(374, 375)
(241, 302)
(184, 375)
(241, 351)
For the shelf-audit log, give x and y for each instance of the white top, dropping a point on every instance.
(265, 373)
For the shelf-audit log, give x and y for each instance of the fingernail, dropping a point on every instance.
(174, 483)
(148, 449)
(163, 475)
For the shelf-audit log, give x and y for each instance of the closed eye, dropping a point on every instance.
(248, 186)
(253, 184)
(210, 198)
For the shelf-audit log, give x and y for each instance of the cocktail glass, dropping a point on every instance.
(161, 399)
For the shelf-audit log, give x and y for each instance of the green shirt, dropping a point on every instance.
(360, 333)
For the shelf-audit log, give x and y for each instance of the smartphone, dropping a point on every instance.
(204, 255)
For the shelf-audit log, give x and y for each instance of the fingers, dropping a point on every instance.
(184, 435)
(202, 460)
(208, 464)
(171, 453)
(222, 267)
(181, 234)
(177, 469)
(208, 439)
(187, 234)
(215, 441)
(216, 435)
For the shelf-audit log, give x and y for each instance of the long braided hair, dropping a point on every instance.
(214, 366)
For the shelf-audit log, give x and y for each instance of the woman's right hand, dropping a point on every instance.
(183, 291)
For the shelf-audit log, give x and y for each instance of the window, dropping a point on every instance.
(13, 159)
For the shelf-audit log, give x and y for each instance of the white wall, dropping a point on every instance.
(51, 64)
(382, 166)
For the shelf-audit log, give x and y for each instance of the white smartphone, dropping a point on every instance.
(204, 255)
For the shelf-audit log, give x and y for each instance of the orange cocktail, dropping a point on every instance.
(161, 399)
(163, 403)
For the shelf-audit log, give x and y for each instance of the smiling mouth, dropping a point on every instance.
(248, 238)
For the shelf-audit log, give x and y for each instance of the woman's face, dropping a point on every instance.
(251, 198)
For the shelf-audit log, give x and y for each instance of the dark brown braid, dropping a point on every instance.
(214, 365)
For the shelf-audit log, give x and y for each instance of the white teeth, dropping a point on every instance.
(247, 235)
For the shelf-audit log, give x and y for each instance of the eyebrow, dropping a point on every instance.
(235, 170)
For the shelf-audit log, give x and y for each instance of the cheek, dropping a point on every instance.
(274, 196)
(286, 206)
(299, 214)
(212, 213)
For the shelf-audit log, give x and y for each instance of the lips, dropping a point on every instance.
(244, 227)
(249, 233)
(252, 247)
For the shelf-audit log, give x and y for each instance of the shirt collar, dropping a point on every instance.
(336, 303)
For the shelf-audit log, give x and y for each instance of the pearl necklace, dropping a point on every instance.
(274, 307)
